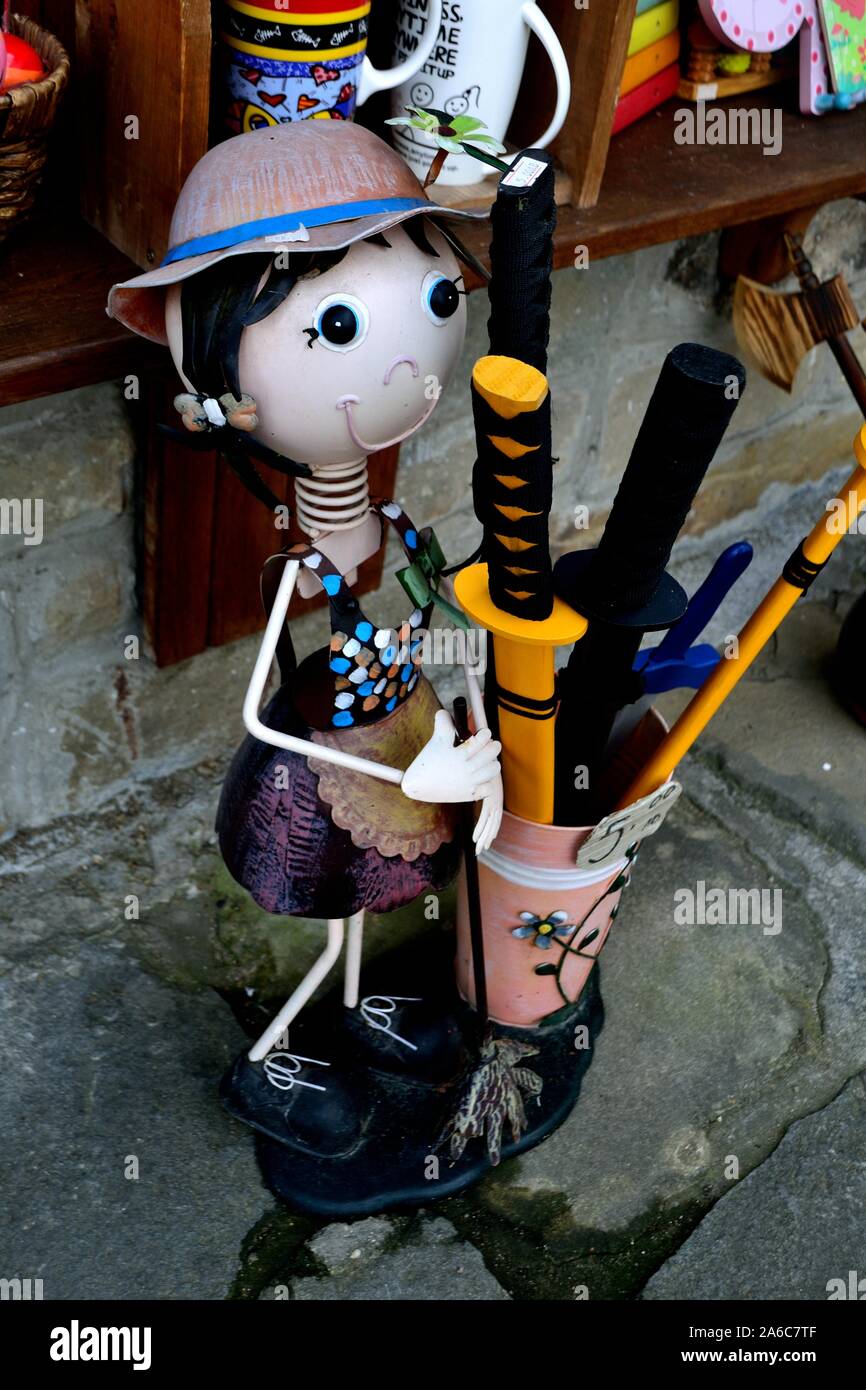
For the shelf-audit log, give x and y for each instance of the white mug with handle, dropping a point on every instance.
(383, 79)
(474, 69)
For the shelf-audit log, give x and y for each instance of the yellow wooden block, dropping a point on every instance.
(653, 25)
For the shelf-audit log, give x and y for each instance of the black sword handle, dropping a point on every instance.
(622, 587)
(522, 220)
(697, 392)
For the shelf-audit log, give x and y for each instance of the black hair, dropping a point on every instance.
(221, 301)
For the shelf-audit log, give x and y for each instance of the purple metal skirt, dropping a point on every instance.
(310, 839)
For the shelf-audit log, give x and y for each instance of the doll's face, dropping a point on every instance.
(354, 359)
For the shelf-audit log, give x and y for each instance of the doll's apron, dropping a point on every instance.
(313, 839)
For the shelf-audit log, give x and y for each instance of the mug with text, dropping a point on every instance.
(297, 60)
(474, 68)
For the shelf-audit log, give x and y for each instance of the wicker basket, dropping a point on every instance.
(26, 117)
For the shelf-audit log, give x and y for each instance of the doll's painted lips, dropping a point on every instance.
(346, 403)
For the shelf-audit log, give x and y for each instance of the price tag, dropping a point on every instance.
(613, 835)
(524, 172)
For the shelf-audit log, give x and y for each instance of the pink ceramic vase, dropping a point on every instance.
(544, 920)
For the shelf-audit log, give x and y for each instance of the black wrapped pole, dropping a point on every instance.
(522, 222)
(513, 476)
(623, 586)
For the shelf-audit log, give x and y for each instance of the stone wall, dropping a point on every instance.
(79, 723)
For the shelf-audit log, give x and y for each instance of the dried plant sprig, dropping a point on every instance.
(452, 135)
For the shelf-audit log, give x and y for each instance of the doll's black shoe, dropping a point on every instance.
(410, 1036)
(322, 1108)
(295, 1100)
(425, 1141)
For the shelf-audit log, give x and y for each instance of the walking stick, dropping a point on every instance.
(802, 569)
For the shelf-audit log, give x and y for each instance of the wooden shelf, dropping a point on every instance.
(54, 331)
(657, 191)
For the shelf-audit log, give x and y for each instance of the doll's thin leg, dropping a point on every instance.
(308, 985)
(354, 942)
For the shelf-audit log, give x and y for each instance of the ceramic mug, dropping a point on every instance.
(474, 69)
(295, 60)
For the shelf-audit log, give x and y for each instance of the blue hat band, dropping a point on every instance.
(289, 222)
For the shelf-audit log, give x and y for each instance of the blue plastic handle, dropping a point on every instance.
(672, 664)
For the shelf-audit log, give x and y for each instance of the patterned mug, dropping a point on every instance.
(295, 60)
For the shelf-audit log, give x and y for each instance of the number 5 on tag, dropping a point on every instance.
(612, 836)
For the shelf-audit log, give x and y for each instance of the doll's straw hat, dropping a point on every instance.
(306, 186)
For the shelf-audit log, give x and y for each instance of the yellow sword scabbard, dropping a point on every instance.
(525, 680)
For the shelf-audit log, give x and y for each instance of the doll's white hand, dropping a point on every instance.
(445, 772)
(490, 816)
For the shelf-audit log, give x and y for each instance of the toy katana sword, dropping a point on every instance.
(623, 586)
(799, 573)
(511, 593)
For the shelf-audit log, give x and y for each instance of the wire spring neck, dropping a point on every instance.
(334, 499)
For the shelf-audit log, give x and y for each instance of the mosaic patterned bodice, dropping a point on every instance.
(375, 668)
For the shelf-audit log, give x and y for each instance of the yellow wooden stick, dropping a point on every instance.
(817, 549)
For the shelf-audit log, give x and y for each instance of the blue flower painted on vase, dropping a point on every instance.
(544, 930)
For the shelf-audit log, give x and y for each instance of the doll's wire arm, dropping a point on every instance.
(473, 685)
(259, 680)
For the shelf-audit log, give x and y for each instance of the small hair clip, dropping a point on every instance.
(202, 413)
(240, 411)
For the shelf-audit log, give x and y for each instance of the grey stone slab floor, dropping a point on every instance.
(717, 1150)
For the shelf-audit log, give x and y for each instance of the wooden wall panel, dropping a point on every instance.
(178, 498)
(151, 61)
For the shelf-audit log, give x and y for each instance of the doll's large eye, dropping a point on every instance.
(440, 297)
(342, 322)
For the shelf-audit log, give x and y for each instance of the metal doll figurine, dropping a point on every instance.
(310, 295)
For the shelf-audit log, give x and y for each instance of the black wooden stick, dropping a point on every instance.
(473, 893)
